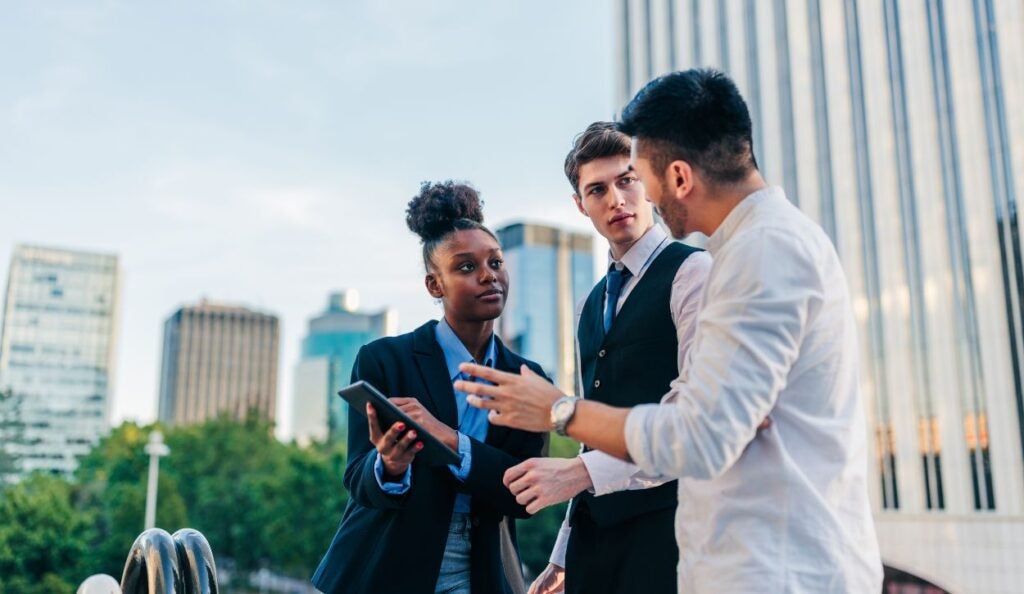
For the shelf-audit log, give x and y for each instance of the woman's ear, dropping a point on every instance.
(433, 286)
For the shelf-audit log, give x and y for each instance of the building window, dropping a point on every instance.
(1003, 191)
(921, 381)
(823, 135)
(876, 362)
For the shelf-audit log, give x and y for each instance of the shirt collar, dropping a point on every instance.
(456, 353)
(639, 254)
(739, 215)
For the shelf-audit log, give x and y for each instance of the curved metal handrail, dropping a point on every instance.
(152, 565)
(195, 558)
(159, 563)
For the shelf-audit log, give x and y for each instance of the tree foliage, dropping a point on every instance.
(260, 503)
(42, 537)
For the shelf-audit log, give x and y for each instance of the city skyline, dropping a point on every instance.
(264, 159)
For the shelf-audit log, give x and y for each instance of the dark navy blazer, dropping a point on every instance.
(394, 543)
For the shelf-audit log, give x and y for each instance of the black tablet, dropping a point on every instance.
(434, 453)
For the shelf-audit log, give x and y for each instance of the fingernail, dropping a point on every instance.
(419, 445)
(401, 426)
(412, 435)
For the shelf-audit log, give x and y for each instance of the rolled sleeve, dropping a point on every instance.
(610, 475)
(638, 440)
(389, 487)
(461, 472)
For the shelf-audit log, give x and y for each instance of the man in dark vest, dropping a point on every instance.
(633, 332)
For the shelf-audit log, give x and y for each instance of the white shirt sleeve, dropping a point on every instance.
(609, 474)
(757, 304)
(561, 542)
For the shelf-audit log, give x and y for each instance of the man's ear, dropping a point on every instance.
(579, 204)
(433, 285)
(680, 176)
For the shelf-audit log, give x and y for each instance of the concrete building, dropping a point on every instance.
(218, 359)
(57, 352)
(552, 269)
(899, 127)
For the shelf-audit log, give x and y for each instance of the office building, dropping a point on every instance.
(218, 359)
(57, 352)
(552, 269)
(899, 127)
(328, 352)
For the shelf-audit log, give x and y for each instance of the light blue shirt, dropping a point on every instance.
(472, 421)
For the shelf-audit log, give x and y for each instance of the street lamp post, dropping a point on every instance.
(156, 448)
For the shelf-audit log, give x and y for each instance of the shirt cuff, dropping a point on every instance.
(611, 475)
(639, 438)
(461, 471)
(561, 544)
(391, 488)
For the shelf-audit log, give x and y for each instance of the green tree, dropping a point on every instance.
(258, 501)
(42, 537)
(111, 492)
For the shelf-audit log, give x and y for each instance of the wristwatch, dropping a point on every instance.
(562, 411)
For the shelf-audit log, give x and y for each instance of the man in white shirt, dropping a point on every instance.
(781, 510)
(652, 283)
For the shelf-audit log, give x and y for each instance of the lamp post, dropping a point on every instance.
(156, 448)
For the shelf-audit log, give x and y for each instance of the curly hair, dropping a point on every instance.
(440, 209)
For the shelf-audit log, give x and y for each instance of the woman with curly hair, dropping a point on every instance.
(410, 527)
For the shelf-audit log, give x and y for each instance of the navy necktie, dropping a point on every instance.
(615, 279)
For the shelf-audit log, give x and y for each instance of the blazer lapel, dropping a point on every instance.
(434, 371)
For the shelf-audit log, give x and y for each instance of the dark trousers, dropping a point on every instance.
(638, 555)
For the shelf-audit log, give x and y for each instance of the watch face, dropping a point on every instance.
(563, 408)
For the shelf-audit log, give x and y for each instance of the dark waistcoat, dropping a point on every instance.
(633, 364)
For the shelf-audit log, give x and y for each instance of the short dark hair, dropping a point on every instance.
(697, 116)
(439, 210)
(599, 140)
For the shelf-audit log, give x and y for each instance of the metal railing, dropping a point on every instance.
(160, 563)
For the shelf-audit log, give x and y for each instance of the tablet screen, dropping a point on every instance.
(434, 453)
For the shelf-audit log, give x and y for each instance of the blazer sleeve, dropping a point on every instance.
(486, 475)
(360, 479)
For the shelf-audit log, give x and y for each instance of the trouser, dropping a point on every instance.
(637, 555)
(454, 574)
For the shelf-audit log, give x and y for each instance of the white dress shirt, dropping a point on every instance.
(785, 509)
(609, 474)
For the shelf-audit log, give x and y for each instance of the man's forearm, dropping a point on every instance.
(601, 427)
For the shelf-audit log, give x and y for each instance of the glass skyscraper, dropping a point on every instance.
(57, 352)
(328, 352)
(551, 269)
(899, 126)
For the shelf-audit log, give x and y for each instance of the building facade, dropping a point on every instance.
(57, 352)
(328, 352)
(552, 269)
(899, 126)
(218, 359)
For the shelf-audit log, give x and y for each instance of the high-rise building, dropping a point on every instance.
(898, 126)
(552, 269)
(57, 354)
(218, 359)
(328, 352)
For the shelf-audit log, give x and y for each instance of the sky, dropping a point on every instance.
(262, 153)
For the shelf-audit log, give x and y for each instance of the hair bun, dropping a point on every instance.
(432, 213)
